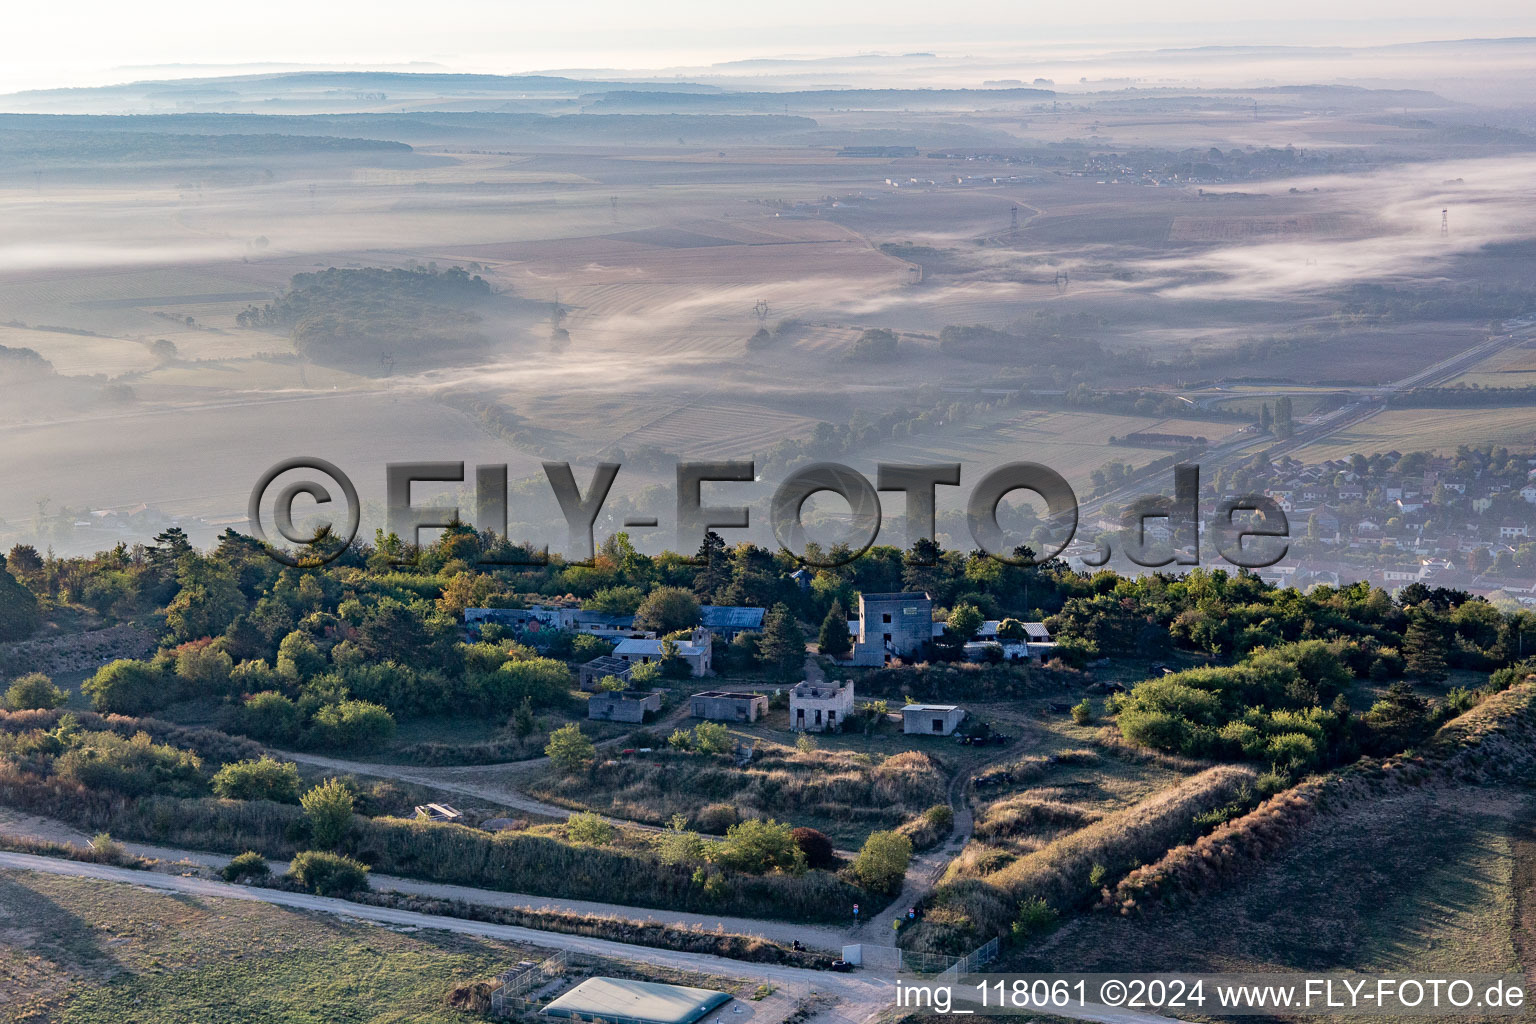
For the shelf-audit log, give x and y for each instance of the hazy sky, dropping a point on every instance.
(91, 42)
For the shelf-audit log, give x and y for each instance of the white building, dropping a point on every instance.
(931, 719)
(820, 707)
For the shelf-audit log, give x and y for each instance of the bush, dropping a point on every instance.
(268, 716)
(759, 846)
(1082, 713)
(329, 874)
(132, 767)
(589, 829)
(818, 849)
(32, 692)
(264, 779)
(106, 850)
(1036, 917)
(249, 864)
(882, 862)
(712, 738)
(203, 669)
(569, 749)
(352, 725)
(127, 687)
(328, 807)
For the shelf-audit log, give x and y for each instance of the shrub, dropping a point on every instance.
(33, 691)
(352, 725)
(712, 738)
(132, 767)
(569, 748)
(1082, 713)
(328, 874)
(677, 845)
(127, 687)
(268, 716)
(328, 807)
(264, 779)
(817, 848)
(759, 846)
(716, 818)
(882, 861)
(203, 669)
(249, 864)
(1036, 917)
(589, 829)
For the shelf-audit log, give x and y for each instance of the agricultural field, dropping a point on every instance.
(1431, 430)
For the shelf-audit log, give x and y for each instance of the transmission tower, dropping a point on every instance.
(761, 311)
(1014, 224)
(1445, 223)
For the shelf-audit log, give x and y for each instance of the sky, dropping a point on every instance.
(96, 42)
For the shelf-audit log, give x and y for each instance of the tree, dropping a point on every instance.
(1424, 649)
(127, 687)
(34, 691)
(328, 874)
(1012, 629)
(328, 809)
(264, 779)
(965, 622)
(1398, 720)
(818, 849)
(875, 344)
(834, 640)
(882, 862)
(298, 658)
(782, 647)
(570, 749)
(208, 601)
(759, 846)
(667, 610)
(19, 616)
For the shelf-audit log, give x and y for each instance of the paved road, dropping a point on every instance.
(859, 996)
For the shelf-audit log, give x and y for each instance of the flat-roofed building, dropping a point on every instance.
(931, 719)
(893, 626)
(728, 705)
(820, 707)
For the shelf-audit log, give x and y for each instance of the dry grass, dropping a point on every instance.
(845, 795)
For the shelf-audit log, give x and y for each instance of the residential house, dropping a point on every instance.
(820, 706)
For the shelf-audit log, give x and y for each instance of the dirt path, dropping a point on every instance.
(857, 997)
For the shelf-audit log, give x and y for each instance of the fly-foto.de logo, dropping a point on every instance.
(1248, 531)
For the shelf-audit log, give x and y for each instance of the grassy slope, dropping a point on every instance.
(84, 951)
(1416, 882)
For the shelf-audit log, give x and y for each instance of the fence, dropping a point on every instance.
(511, 985)
(893, 958)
